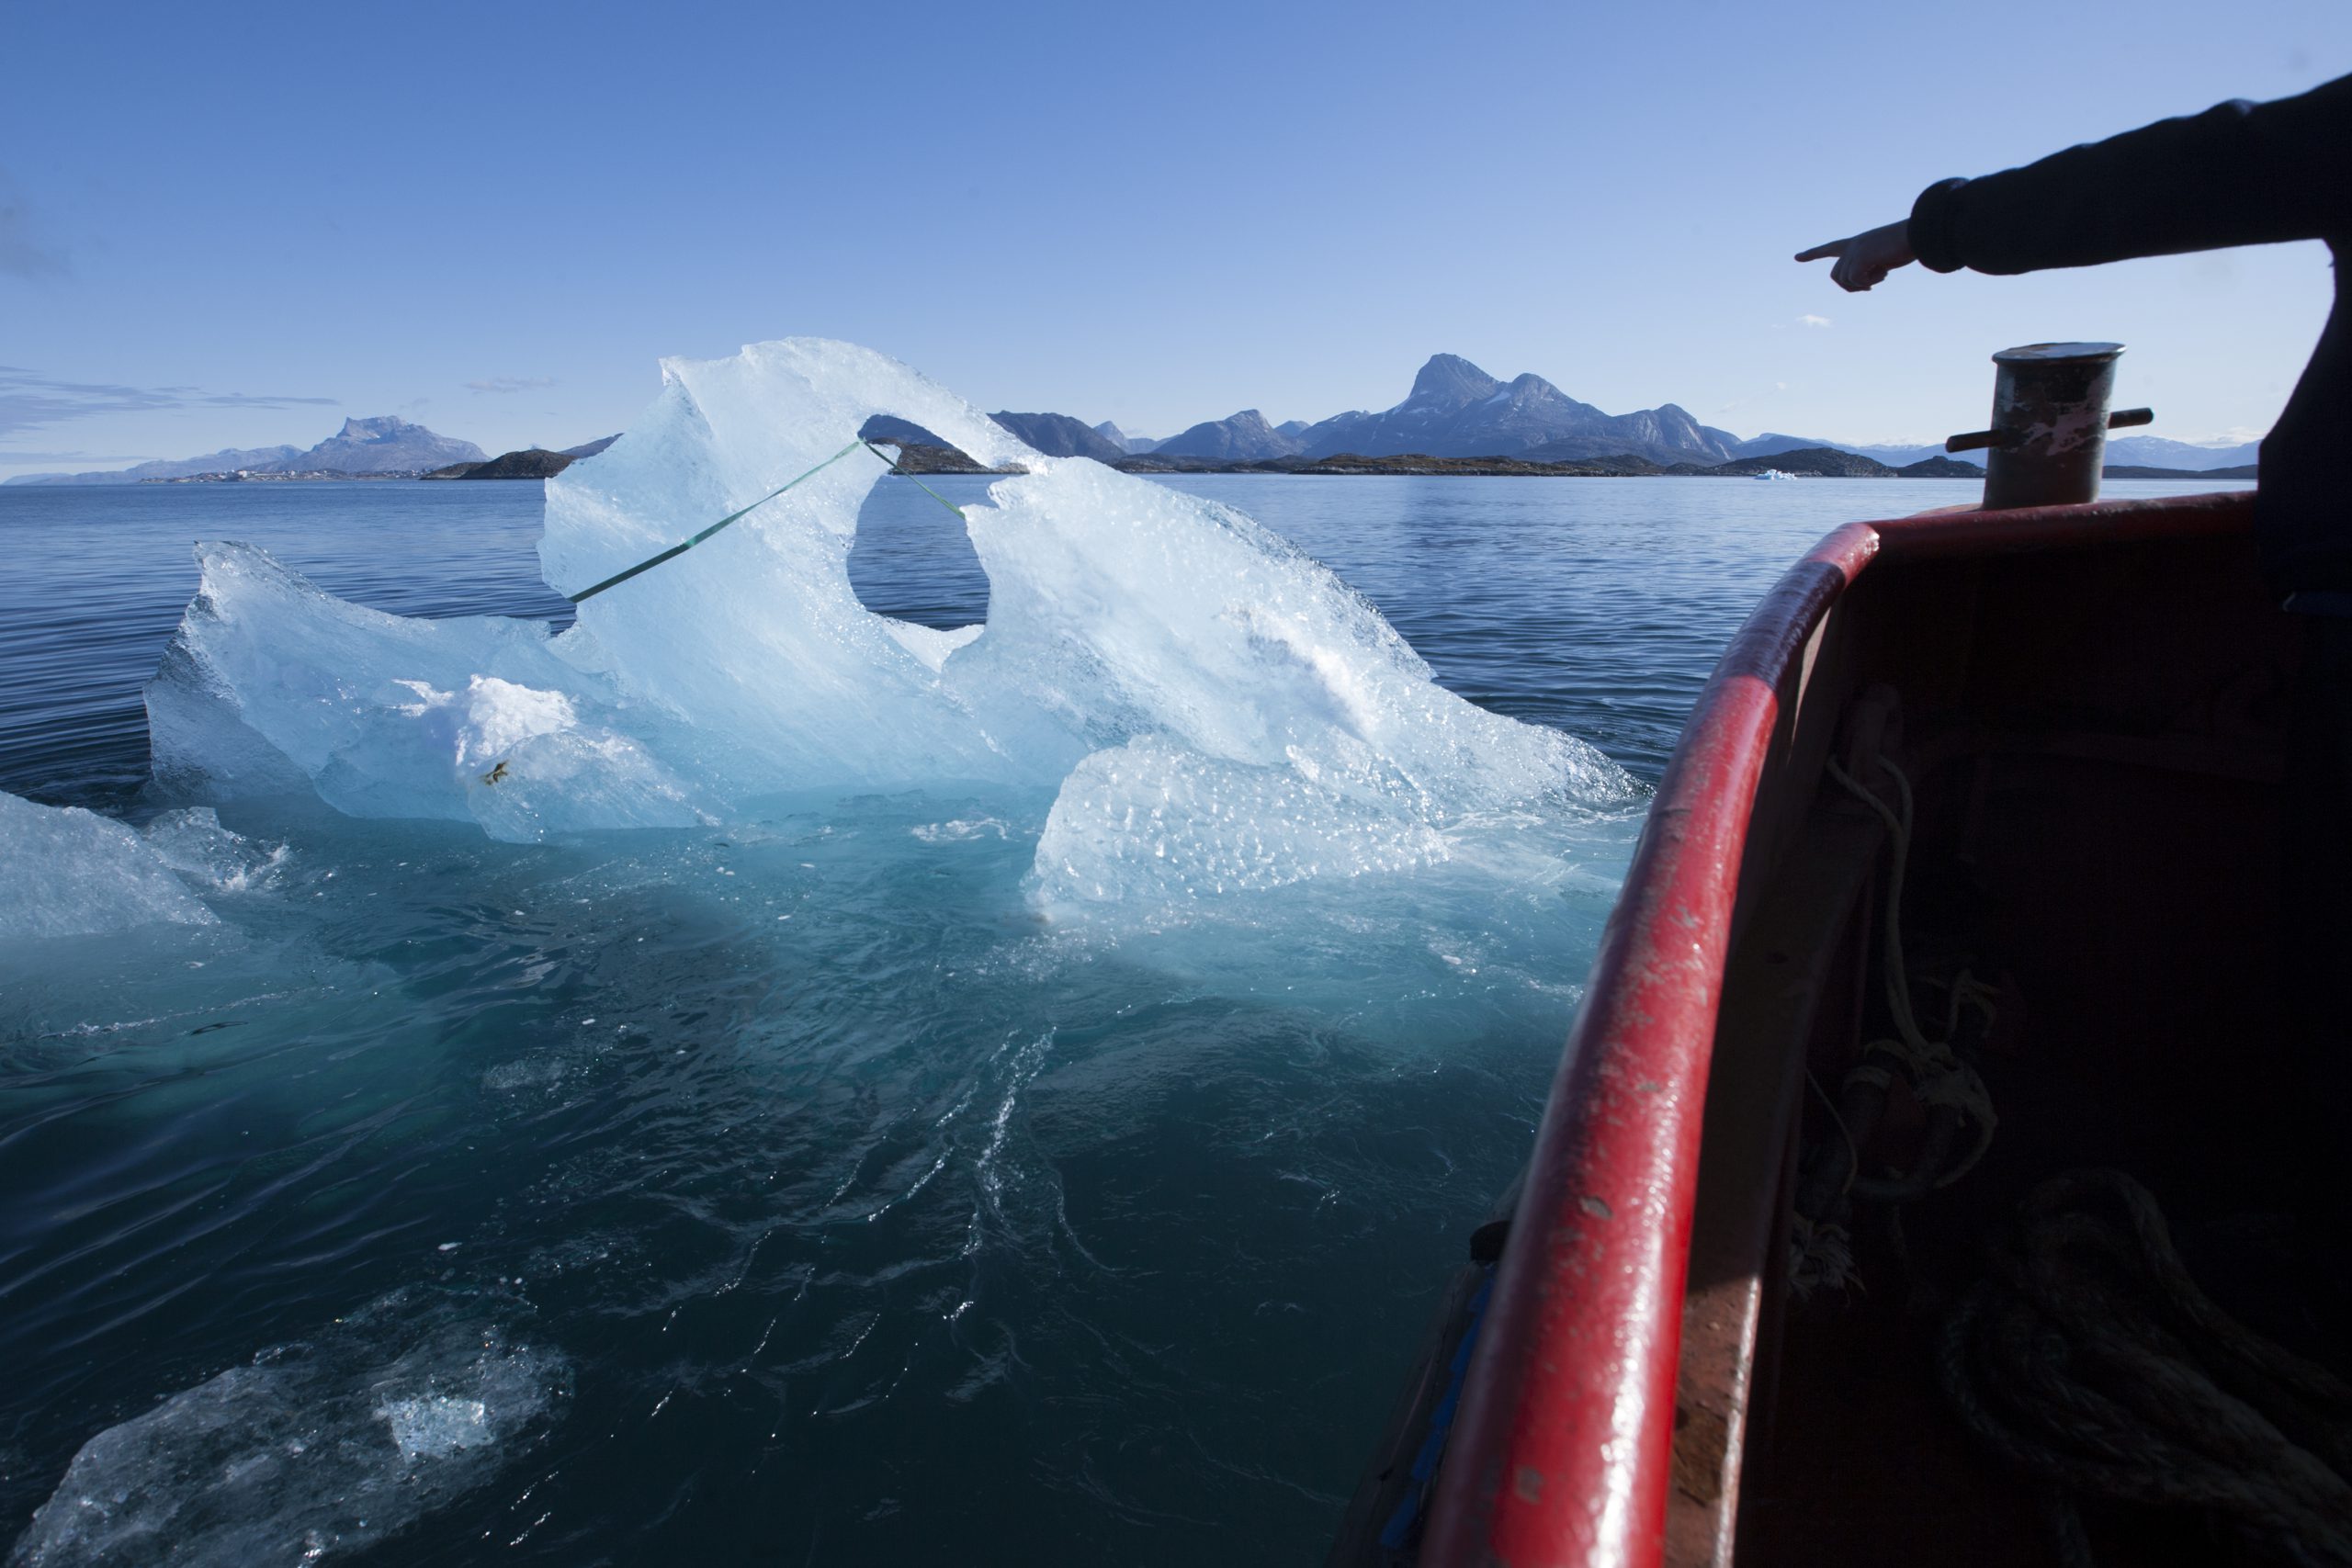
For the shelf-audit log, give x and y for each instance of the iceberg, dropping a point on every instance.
(1217, 711)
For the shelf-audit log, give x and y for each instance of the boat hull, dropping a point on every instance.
(2090, 701)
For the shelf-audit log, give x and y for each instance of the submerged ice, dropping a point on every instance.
(68, 871)
(1215, 710)
(314, 1451)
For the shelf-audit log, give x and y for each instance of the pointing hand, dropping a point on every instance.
(1867, 257)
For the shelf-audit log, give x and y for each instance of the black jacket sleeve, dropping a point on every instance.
(2239, 174)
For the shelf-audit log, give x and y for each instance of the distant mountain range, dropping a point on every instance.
(2144, 451)
(1461, 412)
(379, 446)
(1054, 435)
(2156, 452)
(1058, 435)
(1454, 411)
(1121, 439)
(1457, 410)
(1244, 437)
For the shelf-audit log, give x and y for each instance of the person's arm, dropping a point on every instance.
(2239, 174)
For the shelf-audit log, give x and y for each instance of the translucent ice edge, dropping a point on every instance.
(1219, 712)
(314, 1450)
(67, 871)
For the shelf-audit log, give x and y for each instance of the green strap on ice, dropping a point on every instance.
(675, 550)
(911, 480)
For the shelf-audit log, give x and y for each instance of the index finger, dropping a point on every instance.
(1834, 248)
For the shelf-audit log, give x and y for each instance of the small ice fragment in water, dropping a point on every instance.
(193, 843)
(67, 871)
(958, 830)
(436, 1424)
(322, 1448)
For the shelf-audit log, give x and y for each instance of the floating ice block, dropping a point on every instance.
(1156, 655)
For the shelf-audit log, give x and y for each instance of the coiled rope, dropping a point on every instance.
(2088, 1358)
(1935, 1074)
(2090, 1361)
(1821, 1247)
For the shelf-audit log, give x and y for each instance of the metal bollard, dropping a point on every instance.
(2049, 425)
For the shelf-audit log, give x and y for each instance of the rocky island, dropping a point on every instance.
(530, 463)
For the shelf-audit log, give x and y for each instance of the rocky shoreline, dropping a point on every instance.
(531, 463)
(1809, 462)
(921, 457)
(252, 477)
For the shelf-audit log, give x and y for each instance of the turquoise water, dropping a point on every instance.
(789, 1192)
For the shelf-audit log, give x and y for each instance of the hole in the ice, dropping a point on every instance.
(911, 559)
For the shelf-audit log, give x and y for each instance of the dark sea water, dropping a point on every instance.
(790, 1192)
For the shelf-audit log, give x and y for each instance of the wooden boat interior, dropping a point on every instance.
(2092, 724)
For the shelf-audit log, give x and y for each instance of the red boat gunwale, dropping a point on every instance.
(1563, 1450)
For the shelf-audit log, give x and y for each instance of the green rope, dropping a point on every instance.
(675, 550)
(916, 482)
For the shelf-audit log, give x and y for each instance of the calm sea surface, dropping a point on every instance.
(785, 1193)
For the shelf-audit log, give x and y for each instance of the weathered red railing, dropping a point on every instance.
(1562, 1450)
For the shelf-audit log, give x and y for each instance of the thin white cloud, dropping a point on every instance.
(1809, 320)
(23, 455)
(32, 401)
(510, 384)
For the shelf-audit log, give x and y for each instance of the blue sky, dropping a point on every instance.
(234, 225)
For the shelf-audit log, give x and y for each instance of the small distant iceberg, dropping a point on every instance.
(1774, 474)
